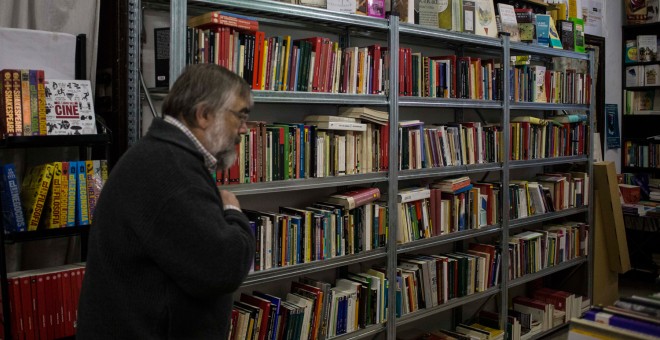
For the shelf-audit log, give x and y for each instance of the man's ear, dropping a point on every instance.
(203, 116)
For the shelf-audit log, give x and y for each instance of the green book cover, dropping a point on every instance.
(579, 34)
(445, 14)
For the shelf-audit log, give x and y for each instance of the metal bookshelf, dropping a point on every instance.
(310, 267)
(448, 171)
(447, 238)
(449, 102)
(547, 106)
(521, 222)
(453, 303)
(550, 331)
(547, 161)
(299, 17)
(305, 183)
(547, 271)
(44, 234)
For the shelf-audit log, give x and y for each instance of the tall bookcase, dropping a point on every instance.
(636, 128)
(394, 33)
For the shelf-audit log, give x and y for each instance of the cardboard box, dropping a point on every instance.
(605, 281)
(612, 216)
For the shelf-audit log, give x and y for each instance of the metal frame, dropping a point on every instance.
(133, 68)
(282, 12)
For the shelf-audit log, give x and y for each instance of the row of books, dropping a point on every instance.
(548, 193)
(630, 317)
(643, 75)
(426, 281)
(345, 223)
(313, 309)
(643, 48)
(32, 106)
(448, 206)
(641, 155)
(646, 102)
(278, 63)
(536, 138)
(52, 195)
(538, 84)
(44, 302)
(533, 251)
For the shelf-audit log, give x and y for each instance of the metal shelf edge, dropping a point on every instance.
(519, 222)
(448, 238)
(547, 271)
(449, 102)
(303, 183)
(449, 170)
(361, 333)
(293, 97)
(436, 33)
(547, 161)
(546, 106)
(529, 48)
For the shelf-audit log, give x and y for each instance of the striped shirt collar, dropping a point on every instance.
(209, 160)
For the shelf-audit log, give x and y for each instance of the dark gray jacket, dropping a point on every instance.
(164, 258)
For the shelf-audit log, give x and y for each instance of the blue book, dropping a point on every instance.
(72, 194)
(274, 311)
(12, 209)
(82, 208)
(623, 322)
(543, 29)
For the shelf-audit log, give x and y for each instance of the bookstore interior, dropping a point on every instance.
(380, 187)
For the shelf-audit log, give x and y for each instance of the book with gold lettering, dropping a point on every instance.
(35, 190)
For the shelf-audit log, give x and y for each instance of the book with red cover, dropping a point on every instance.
(264, 305)
(355, 197)
(212, 19)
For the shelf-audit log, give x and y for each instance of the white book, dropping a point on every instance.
(329, 118)
(345, 126)
(652, 75)
(647, 47)
(343, 6)
(307, 306)
(428, 13)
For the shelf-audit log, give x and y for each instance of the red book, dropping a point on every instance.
(376, 78)
(402, 73)
(355, 197)
(15, 305)
(264, 306)
(27, 307)
(213, 19)
(326, 66)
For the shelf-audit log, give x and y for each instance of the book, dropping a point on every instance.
(579, 34)
(82, 207)
(525, 19)
(406, 9)
(342, 6)
(508, 21)
(328, 118)
(54, 201)
(221, 18)
(69, 107)
(468, 16)
(25, 102)
(634, 76)
(543, 29)
(485, 23)
(445, 14)
(7, 103)
(12, 209)
(555, 39)
(429, 11)
(647, 47)
(651, 75)
(631, 51)
(34, 101)
(35, 192)
(345, 126)
(162, 56)
(567, 34)
(18, 101)
(354, 198)
(72, 195)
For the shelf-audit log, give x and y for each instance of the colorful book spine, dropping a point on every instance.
(41, 100)
(18, 102)
(91, 197)
(7, 102)
(37, 195)
(55, 197)
(72, 196)
(82, 207)
(34, 102)
(25, 102)
(12, 209)
(64, 195)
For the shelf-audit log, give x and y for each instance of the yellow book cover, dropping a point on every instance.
(25, 101)
(18, 102)
(264, 65)
(54, 200)
(36, 198)
(64, 194)
(104, 170)
(41, 100)
(529, 119)
(285, 60)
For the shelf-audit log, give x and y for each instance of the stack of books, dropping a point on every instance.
(630, 317)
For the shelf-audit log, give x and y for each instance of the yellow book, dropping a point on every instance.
(54, 201)
(285, 60)
(25, 100)
(36, 197)
(529, 119)
(264, 65)
(41, 100)
(104, 170)
(64, 194)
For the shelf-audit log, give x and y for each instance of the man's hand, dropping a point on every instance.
(228, 198)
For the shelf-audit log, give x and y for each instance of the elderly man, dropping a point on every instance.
(167, 248)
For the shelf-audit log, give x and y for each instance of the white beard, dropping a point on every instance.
(221, 144)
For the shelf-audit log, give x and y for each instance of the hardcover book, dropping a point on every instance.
(7, 103)
(508, 21)
(485, 23)
(429, 12)
(12, 209)
(35, 191)
(567, 34)
(468, 16)
(652, 75)
(647, 47)
(631, 51)
(525, 19)
(69, 107)
(555, 39)
(579, 34)
(543, 29)
(162, 56)
(354, 198)
(445, 17)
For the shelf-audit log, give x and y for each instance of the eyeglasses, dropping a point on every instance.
(242, 116)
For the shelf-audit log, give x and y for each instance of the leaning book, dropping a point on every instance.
(69, 107)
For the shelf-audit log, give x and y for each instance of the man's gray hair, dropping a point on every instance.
(208, 85)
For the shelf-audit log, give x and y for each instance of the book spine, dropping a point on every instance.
(43, 184)
(34, 102)
(25, 102)
(55, 198)
(64, 195)
(41, 100)
(7, 103)
(18, 102)
(72, 194)
(82, 207)
(12, 207)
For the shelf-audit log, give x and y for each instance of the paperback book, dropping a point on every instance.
(69, 107)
